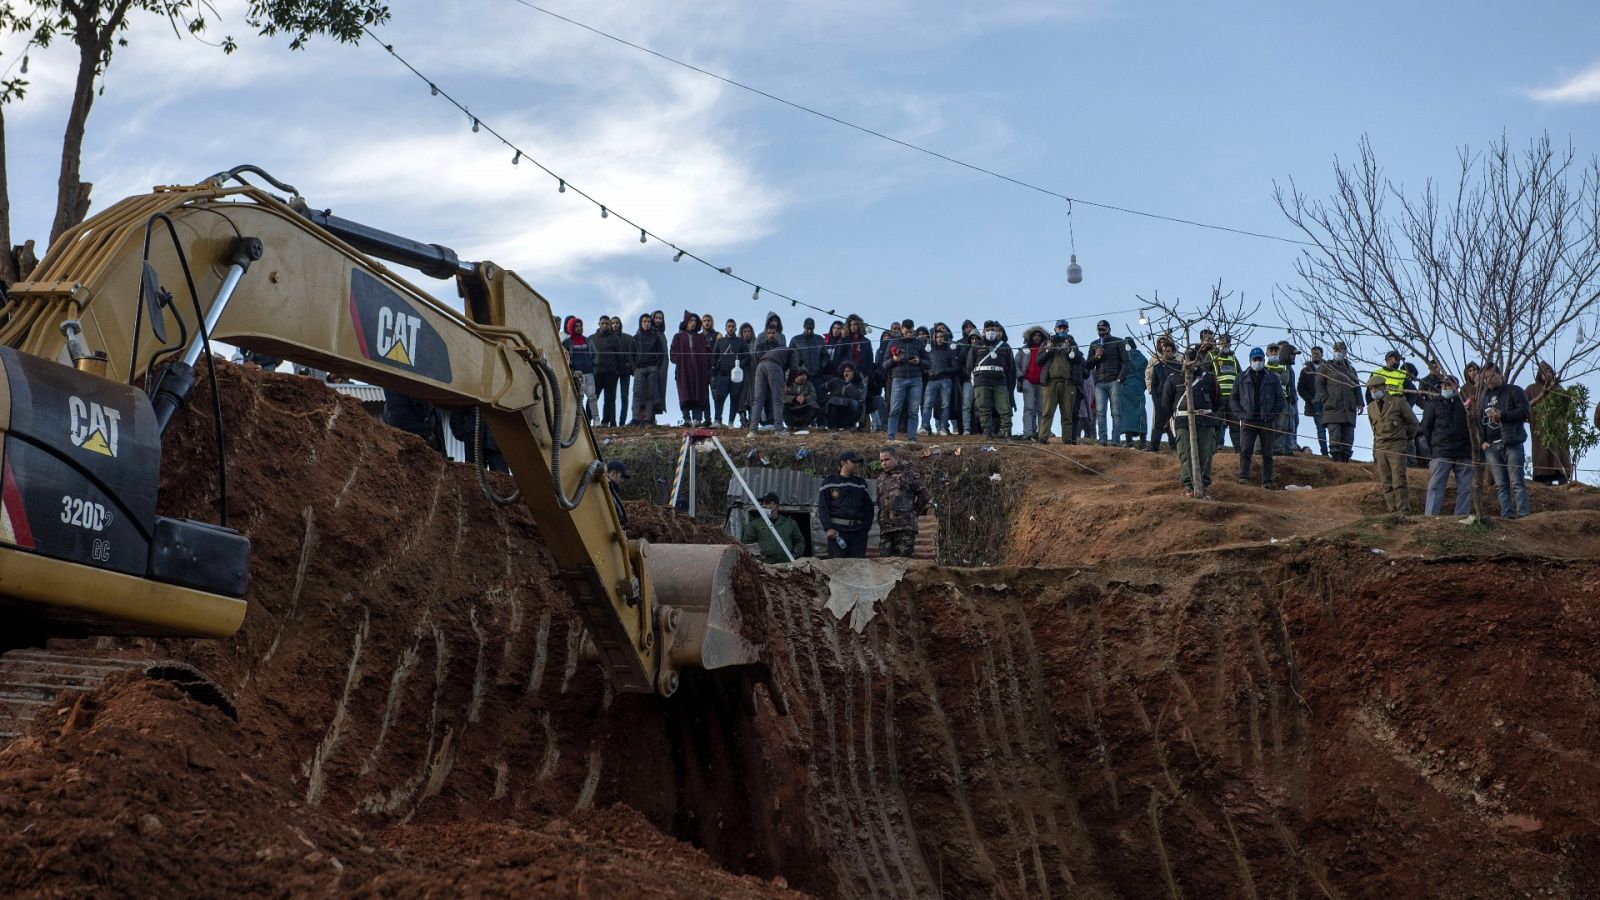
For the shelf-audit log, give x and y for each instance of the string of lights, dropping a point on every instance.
(837, 120)
(563, 185)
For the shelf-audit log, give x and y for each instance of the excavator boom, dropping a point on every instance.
(236, 263)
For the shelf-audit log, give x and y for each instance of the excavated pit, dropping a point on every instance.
(1188, 700)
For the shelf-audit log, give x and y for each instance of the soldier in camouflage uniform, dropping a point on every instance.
(902, 497)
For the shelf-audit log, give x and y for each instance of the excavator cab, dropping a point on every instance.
(82, 551)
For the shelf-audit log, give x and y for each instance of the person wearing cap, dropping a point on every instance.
(1225, 367)
(1062, 364)
(1394, 426)
(1393, 374)
(770, 543)
(1338, 394)
(845, 509)
(1256, 402)
(992, 368)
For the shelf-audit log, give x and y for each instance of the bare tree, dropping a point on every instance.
(96, 28)
(1502, 267)
(1221, 314)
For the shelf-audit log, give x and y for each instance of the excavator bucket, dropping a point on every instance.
(696, 580)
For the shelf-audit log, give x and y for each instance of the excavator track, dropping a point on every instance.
(32, 682)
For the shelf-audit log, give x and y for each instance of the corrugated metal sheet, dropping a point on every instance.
(366, 393)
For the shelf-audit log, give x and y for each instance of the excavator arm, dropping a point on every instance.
(274, 275)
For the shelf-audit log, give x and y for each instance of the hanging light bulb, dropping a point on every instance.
(474, 125)
(603, 213)
(678, 257)
(516, 159)
(757, 294)
(1074, 271)
(563, 188)
(726, 270)
(24, 65)
(1143, 319)
(641, 235)
(434, 88)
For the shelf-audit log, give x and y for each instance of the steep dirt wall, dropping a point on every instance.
(1305, 718)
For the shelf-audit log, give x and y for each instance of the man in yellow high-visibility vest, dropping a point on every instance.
(1392, 374)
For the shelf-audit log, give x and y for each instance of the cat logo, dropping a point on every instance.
(94, 427)
(397, 336)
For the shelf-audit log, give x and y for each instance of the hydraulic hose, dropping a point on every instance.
(552, 408)
(483, 474)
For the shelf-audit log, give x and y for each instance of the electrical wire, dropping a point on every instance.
(566, 185)
(1110, 207)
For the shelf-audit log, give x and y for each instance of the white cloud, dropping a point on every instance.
(1583, 87)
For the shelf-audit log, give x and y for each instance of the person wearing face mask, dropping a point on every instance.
(1280, 362)
(1306, 387)
(1063, 376)
(1257, 399)
(1225, 367)
(1108, 363)
(1029, 366)
(649, 357)
(1394, 426)
(992, 368)
(1338, 394)
(1444, 424)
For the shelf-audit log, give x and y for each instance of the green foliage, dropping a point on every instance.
(1561, 421)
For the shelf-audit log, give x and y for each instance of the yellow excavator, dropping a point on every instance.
(102, 346)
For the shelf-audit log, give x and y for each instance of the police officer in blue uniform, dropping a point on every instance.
(845, 509)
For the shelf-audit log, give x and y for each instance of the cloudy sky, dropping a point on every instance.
(1191, 110)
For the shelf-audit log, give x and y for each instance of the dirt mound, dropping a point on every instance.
(1302, 717)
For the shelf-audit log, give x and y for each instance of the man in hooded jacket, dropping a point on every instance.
(1029, 367)
(649, 356)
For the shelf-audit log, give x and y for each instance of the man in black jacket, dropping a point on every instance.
(846, 394)
(1108, 364)
(1444, 426)
(649, 358)
(942, 361)
(1306, 387)
(726, 353)
(845, 509)
(608, 363)
(810, 346)
(1256, 402)
(1504, 430)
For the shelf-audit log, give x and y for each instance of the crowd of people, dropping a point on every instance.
(912, 380)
